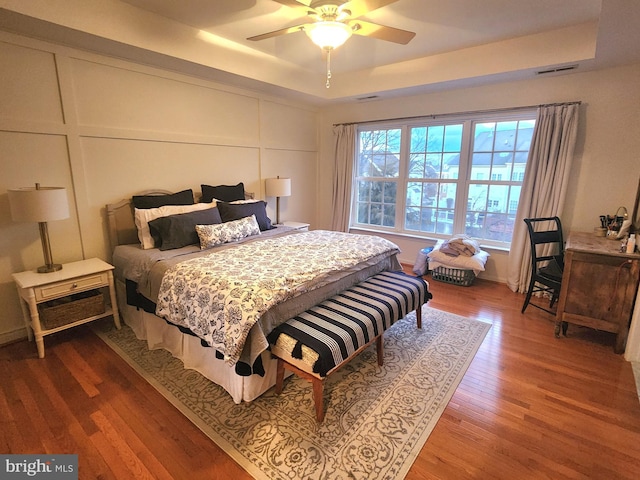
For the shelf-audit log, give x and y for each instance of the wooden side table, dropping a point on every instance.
(35, 288)
(303, 227)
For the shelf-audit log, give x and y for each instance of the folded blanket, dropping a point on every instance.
(460, 245)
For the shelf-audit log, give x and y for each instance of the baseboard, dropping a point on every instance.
(13, 336)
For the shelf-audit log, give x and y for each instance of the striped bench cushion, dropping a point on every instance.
(329, 333)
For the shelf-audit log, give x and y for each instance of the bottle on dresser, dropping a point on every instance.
(631, 243)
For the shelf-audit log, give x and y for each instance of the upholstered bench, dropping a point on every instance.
(322, 339)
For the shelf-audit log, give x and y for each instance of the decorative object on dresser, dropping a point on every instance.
(42, 205)
(635, 216)
(68, 297)
(278, 187)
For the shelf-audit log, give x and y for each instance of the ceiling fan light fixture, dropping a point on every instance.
(328, 35)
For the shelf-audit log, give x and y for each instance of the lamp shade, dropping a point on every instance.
(278, 187)
(328, 35)
(38, 204)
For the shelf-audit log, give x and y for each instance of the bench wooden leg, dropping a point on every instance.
(317, 398)
(419, 316)
(379, 350)
(279, 376)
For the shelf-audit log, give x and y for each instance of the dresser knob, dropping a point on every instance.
(75, 285)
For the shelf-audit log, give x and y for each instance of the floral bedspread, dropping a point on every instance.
(220, 296)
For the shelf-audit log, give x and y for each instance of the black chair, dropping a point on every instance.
(547, 259)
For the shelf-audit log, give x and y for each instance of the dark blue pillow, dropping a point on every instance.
(236, 211)
(224, 193)
(177, 231)
(185, 197)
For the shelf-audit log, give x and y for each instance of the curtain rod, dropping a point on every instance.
(438, 115)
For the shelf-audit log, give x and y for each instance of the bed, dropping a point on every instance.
(240, 289)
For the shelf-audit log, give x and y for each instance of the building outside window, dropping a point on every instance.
(436, 178)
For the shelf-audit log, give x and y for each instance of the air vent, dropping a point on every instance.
(564, 68)
(370, 97)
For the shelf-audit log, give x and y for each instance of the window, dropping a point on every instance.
(437, 178)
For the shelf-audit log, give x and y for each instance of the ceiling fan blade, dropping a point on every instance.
(282, 31)
(303, 6)
(381, 32)
(362, 7)
(294, 3)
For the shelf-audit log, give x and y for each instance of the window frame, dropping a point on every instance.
(463, 182)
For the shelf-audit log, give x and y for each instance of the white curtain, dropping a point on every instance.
(345, 146)
(545, 182)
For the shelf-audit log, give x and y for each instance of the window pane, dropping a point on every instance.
(363, 213)
(499, 227)
(414, 194)
(375, 217)
(379, 153)
(514, 198)
(435, 139)
(363, 191)
(427, 220)
(525, 133)
(453, 138)
(477, 197)
(498, 198)
(416, 165)
(506, 136)
(419, 139)
(389, 219)
(412, 218)
(451, 165)
(480, 166)
(502, 165)
(434, 165)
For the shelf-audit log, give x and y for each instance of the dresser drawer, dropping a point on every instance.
(67, 287)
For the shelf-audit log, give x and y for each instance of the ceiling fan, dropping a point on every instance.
(332, 22)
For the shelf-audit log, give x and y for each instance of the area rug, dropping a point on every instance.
(377, 418)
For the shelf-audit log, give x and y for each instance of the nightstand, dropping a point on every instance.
(74, 278)
(303, 227)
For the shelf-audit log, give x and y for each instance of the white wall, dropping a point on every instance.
(607, 160)
(106, 129)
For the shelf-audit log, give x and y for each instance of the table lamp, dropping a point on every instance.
(42, 205)
(278, 187)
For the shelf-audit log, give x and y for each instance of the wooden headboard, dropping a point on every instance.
(121, 223)
(120, 220)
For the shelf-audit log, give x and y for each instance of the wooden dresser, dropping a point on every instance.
(599, 285)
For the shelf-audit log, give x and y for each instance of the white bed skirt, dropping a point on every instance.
(187, 348)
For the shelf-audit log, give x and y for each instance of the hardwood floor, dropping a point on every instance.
(529, 406)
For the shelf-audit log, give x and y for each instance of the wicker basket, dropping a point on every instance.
(455, 276)
(63, 311)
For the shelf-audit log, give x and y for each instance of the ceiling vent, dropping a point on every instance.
(563, 68)
(370, 97)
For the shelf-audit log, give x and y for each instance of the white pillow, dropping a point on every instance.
(212, 235)
(143, 216)
(475, 262)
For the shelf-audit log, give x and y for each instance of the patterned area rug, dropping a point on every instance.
(377, 418)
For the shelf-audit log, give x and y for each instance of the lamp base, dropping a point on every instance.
(54, 267)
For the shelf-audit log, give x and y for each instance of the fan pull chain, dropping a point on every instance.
(328, 84)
